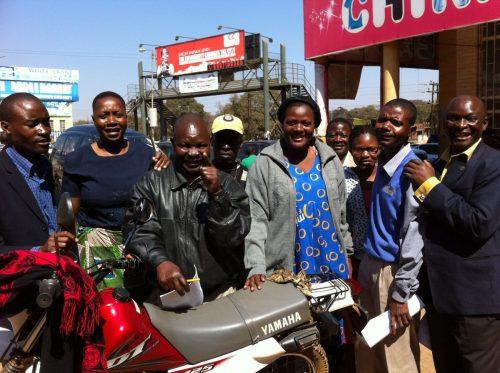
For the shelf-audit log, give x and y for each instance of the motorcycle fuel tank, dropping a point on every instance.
(131, 342)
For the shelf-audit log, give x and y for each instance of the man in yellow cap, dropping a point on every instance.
(227, 136)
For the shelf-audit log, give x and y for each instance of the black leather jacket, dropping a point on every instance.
(190, 227)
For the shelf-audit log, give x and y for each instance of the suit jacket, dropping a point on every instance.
(462, 237)
(22, 223)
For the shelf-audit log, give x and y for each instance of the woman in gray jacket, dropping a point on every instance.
(297, 196)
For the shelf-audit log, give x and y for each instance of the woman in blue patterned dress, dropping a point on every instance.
(296, 189)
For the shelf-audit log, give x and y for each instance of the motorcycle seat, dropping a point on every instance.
(233, 322)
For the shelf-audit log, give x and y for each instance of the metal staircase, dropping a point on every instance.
(291, 79)
(284, 80)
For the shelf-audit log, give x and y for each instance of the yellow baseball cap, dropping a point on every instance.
(227, 122)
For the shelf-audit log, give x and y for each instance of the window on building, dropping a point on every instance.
(490, 71)
(62, 124)
(51, 123)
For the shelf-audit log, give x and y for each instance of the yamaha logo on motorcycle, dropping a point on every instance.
(282, 323)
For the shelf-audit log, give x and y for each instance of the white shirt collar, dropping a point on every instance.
(392, 165)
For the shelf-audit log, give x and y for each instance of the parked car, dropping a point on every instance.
(430, 149)
(258, 144)
(76, 137)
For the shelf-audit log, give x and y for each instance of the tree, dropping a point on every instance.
(249, 107)
(340, 112)
(423, 110)
(179, 106)
(363, 114)
(366, 113)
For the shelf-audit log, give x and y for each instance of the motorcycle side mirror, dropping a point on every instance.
(65, 214)
(143, 211)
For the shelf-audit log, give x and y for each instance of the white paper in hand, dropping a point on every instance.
(379, 327)
(173, 301)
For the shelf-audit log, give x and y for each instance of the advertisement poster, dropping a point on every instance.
(202, 55)
(199, 83)
(45, 91)
(38, 74)
(334, 26)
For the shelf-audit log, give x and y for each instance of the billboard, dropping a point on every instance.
(199, 82)
(45, 91)
(334, 26)
(58, 109)
(202, 55)
(38, 74)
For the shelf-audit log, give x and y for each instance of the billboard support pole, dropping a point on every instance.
(283, 62)
(163, 125)
(283, 70)
(142, 95)
(265, 69)
(136, 120)
(390, 72)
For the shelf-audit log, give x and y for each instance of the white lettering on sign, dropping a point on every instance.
(207, 56)
(282, 323)
(355, 23)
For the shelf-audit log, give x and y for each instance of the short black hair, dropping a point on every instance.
(342, 120)
(8, 102)
(358, 131)
(405, 104)
(107, 94)
(297, 101)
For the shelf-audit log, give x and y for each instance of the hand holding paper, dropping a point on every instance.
(191, 299)
(380, 327)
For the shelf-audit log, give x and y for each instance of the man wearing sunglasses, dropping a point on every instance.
(461, 198)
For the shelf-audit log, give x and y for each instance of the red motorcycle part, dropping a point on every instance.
(131, 342)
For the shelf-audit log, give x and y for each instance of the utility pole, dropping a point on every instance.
(142, 95)
(433, 118)
(265, 86)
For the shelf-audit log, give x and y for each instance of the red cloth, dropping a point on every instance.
(80, 314)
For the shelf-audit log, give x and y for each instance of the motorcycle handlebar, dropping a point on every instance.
(131, 262)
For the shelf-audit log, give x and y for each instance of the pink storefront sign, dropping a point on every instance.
(333, 26)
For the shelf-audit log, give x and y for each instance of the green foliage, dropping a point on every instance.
(423, 110)
(249, 107)
(363, 115)
(179, 106)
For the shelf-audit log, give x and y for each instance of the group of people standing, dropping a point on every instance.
(362, 205)
(432, 229)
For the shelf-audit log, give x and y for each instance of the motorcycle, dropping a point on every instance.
(277, 328)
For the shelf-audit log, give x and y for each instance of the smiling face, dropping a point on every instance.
(393, 127)
(28, 127)
(191, 143)
(465, 122)
(365, 151)
(337, 137)
(110, 119)
(298, 126)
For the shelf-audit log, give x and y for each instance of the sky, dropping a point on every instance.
(101, 39)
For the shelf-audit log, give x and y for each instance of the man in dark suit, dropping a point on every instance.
(27, 212)
(462, 243)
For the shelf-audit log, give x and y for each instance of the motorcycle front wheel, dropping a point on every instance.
(312, 360)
